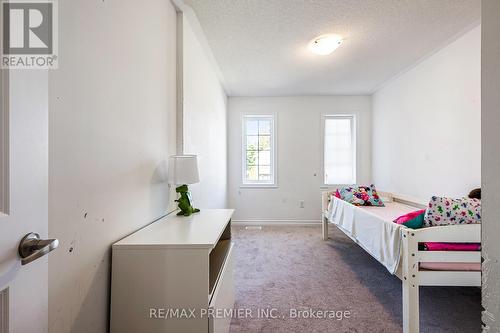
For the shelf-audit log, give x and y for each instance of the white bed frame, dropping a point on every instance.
(408, 270)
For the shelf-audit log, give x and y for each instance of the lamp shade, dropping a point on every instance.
(183, 169)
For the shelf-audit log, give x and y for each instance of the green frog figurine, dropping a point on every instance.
(185, 206)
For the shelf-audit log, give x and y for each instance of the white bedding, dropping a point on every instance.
(372, 228)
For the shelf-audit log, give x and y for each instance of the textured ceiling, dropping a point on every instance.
(261, 45)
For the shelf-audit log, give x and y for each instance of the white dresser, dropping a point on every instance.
(175, 275)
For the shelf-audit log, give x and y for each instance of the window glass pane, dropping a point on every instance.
(337, 126)
(265, 142)
(264, 158)
(252, 142)
(264, 127)
(340, 141)
(339, 151)
(252, 127)
(252, 158)
(252, 173)
(265, 173)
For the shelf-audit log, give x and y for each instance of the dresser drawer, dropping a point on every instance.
(223, 296)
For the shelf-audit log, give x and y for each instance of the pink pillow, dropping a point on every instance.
(432, 246)
(410, 216)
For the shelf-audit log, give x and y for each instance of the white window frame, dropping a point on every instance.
(352, 118)
(273, 183)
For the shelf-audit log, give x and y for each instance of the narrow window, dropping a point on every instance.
(339, 149)
(259, 150)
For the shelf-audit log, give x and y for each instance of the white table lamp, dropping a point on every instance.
(183, 170)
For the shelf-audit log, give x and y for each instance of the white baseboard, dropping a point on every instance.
(296, 223)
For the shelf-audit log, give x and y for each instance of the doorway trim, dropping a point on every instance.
(4, 311)
(4, 136)
(4, 143)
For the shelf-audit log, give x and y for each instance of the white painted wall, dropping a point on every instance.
(112, 127)
(490, 162)
(426, 125)
(299, 140)
(204, 119)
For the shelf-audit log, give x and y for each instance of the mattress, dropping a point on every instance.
(372, 228)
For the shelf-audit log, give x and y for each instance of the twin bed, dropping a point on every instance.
(396, 247)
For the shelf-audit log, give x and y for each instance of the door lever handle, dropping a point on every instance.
(33, 247)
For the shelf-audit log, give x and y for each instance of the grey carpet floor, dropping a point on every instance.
(287, 268)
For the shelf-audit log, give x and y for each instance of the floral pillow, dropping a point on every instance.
(346, 193)
(446, 211)
(370, 195)
(360, 195)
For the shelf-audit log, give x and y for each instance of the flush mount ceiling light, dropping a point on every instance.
(326, 44)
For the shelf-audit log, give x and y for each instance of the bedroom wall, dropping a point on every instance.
(299, 141)
(490, 162)
(204, 118)
(426, 124)
(112, 127)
